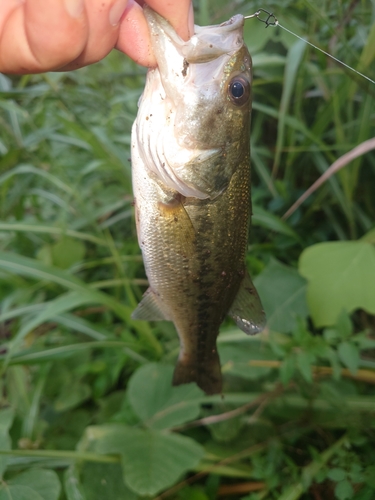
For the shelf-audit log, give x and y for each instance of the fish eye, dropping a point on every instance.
(239, 90)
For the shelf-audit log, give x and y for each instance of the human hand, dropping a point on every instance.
(40, 35)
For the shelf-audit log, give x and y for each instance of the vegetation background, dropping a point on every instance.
(87, 409)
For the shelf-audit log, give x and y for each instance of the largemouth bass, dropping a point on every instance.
(191, 181)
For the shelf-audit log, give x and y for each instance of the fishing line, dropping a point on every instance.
(271, 20)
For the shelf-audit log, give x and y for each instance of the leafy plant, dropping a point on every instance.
(87, 406)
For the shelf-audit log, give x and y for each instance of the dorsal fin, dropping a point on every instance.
(247, 310)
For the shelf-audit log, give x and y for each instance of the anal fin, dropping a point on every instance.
(247, 310)
(149, 308)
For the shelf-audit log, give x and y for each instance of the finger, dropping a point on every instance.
(64, 34)
(178, 12)
(134, 37)
(103, 18)
(38, 35)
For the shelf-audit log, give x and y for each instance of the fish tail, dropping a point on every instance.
(207, 374)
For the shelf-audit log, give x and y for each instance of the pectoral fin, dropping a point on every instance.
(149, 308)
(247, 310)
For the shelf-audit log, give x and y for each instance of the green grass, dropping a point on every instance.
(87, 409)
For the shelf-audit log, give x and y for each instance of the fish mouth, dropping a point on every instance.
(207, 44)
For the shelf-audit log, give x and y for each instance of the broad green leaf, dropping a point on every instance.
(152, 461)
(157, 402)
(15, 492)
(282, 292)
(340, 276)
(67, 252)
(288, 368)
(370, 236)
(72, 486)
(304, 361)
(104, 481)
(349, 356)
(45, 482)
(344, 326)
(337, 474)
(6, 420)
(344, 490)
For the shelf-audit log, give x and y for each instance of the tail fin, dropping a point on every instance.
(206, 374)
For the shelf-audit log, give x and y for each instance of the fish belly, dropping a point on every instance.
(193, 252)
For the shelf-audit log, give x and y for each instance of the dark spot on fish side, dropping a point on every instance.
(185, 66)
(203, 297)
(210, 123)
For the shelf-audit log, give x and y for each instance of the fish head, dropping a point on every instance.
(199, 98)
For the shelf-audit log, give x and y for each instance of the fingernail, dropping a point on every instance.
(117, 11)
(74, 7)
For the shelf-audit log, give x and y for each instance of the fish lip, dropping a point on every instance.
(152, 17)
(156, 22)
(234, 22)
(188, 50)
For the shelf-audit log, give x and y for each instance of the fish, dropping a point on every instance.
(190, 154)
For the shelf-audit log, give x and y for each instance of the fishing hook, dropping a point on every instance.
(270, 20)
